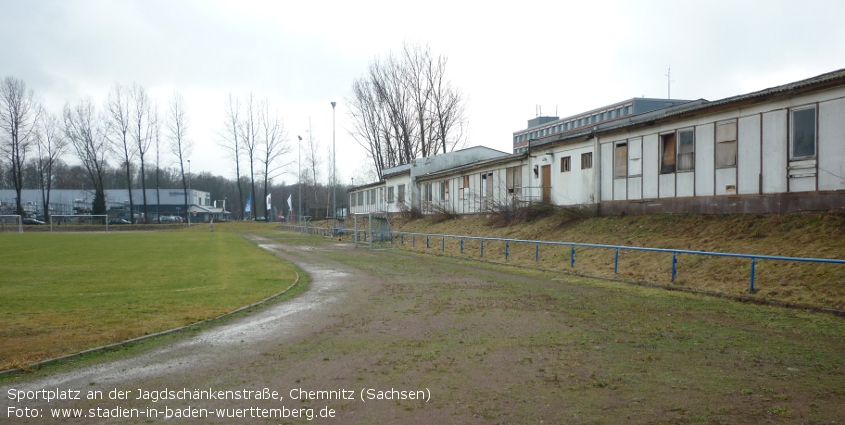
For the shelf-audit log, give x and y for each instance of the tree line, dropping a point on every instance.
(125, 143)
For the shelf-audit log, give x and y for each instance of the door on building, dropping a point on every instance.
(547, 183)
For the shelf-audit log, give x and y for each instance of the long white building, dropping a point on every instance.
(776, 150)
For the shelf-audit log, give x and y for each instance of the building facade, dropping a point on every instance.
(778, 150)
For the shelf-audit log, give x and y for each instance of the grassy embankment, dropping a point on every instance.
(66, 292)
(817, 234)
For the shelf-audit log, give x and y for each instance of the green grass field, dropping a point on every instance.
(62, 293)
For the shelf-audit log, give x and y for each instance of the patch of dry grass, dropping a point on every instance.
(812, 234)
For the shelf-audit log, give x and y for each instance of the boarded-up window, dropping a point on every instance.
(621, 160)
(463, 187)
(446, 190)
(486, 184)
(804, 133)
(401, 193)
(726, 144)
(565, 164)
(667, 153)
(586, 160)
(513, 180)
(635, 156)
(390, 195)
(686, 150)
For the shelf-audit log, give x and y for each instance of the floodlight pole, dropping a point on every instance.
(334, 172)
(188, 211)
(299, 178)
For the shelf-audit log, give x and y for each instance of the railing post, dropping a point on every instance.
(413, 240)
(537, 253)
(616, 263)
(571, 255)
(443, 244)
(462, 245)
(753, 263)
(507, 245)
(674, 265)
(427, 245)
(403, 238)
(482, 247)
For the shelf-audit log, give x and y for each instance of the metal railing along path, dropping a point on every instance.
(616, 248)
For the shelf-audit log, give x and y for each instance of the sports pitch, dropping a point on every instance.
(63, 293)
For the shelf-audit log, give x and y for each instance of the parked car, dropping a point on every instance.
(119, 221)
(30, 220)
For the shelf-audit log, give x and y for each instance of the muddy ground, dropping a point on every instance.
(483, 345)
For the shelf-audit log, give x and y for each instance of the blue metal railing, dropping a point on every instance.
(616, 248)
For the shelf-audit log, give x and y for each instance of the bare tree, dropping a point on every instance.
(180, 145)
(18, 121)
(120, 124)
(405, 107)
(142, 134)
(231, 141)
(86, 133)
(274, 146)
(51, 146)
(249, 127)
(312, 161)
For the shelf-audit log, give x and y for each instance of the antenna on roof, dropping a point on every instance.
(536, 110)
(556, 110)
(541, 110)
(669, 82)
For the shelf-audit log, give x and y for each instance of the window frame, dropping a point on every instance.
(586, 160)
(620, 173)
(678, 152)
(792, 129)
(566, 164)
(721, 145)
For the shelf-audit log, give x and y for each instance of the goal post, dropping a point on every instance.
(74, 222)
(373, 229)
(11, 223)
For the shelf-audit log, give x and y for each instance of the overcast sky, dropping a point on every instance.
(506, 57)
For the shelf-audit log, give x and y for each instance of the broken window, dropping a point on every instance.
(586, 160)
(686, 150)
(803, 133)
(513, 180)
(621, 160)
(667, 153)
(726, 144)
(565, 164)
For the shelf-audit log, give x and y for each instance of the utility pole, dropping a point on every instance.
(299, 165)
(334, 172)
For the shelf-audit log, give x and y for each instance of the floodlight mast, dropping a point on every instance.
(299, 178)
(334, 171)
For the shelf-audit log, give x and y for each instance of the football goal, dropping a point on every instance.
(373, 230)
(11, 223)
(79, 223)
